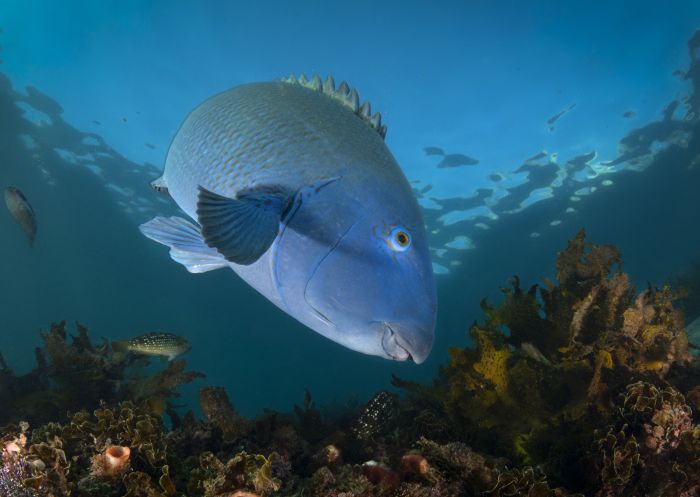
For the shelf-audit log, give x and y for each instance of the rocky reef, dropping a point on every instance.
(580, 386)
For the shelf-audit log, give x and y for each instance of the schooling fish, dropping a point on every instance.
(21, 211)
(292, 187)
(162, 344)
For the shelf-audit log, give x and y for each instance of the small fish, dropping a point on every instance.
(495, 177)
(151, 146)
(534, 353)
(539, 155)
(629, 114)
(376, 415)
(160, 344)
(21, 211)
(559, 115)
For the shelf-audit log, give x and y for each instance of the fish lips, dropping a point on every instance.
(400, 347)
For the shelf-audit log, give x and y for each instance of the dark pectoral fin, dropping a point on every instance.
(241, 229)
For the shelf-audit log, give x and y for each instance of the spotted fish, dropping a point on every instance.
(158, 344)
(290, 184)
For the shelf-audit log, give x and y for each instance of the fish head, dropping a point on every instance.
(357, 268)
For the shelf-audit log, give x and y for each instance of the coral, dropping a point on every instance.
(112, 462)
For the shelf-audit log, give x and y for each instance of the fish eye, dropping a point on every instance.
(400, 240)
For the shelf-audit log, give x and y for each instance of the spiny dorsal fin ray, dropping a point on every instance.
(344, 95)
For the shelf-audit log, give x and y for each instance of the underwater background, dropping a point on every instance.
(518, 125)
(550, 117)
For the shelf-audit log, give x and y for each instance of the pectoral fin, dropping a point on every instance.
(186, 243)
(242, 229)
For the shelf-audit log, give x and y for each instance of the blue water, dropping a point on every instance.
(476, 78)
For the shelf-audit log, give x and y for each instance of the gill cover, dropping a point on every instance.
(369, 288)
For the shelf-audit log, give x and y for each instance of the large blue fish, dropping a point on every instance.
(291, 186)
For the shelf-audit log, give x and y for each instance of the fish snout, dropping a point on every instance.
(403, 341)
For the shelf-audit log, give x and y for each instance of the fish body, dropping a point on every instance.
(533, 352)
(156, 344)
(22, 212)
(292, 187)
(376, 415)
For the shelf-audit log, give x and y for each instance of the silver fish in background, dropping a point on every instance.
(292, 187)
(157, 344)
(22, 212)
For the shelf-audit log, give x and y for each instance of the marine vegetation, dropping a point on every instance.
(579, 373)
(73, 373)
(582, 386)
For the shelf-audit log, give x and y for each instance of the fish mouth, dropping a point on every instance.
(395, 346)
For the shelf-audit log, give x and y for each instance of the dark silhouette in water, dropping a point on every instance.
(451, 160)
(559, 115)
(22, 212)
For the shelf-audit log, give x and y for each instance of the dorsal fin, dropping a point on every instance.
(344, 95)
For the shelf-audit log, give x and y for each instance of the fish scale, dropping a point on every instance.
(266, 144)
